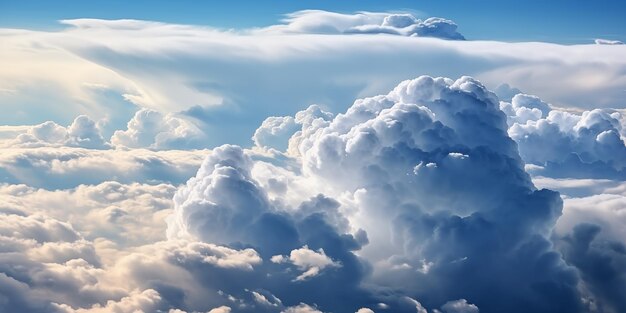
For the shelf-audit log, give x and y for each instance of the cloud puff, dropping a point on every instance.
(83, 133)
(153, 130)
(459, 306)
(222, 309)
(308, 261)
(607, 42)
(301, 308)
(323, 22)
(584, 145)
(284, 131)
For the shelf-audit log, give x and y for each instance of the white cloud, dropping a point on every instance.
(145, 301)
(153, 130)
(404, 24)
(301, 308)
(224, 80)
(600, 41)
(579, 145)
(347, 183)
(459, 306)
(222, 309)
(310, 262)
(65, 167)
(478, 198)
(83, 132)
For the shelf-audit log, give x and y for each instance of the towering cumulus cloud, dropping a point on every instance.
(417, 194)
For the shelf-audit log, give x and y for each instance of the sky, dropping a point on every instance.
(562, 21)
(312, 157)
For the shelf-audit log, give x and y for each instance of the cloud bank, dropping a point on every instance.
(399, 198)
(219, 79)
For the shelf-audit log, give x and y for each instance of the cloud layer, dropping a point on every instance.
(218, 79)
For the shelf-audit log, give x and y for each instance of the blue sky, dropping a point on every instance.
(562, 21)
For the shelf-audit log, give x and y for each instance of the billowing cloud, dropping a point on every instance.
(151, 129)
(426, 228)
(413, 200)
(83, 132)
(567, 144)
(280, 132)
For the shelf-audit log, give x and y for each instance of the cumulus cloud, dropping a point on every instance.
(308, 261)
(474, 211)
(48, 266)
(153, 130)
(129, 215)
(83, 132)
(417, 194)
(284, 131)
(567, 144)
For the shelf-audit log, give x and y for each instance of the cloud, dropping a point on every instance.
(459, 306)
(565, 144)
(284, 131)
(301, 308)
(222, 309)
(601, 265)
(455, 216)
(418, 193)
(83, 133)
(323, 22)
(146, 301)
(48, 266)
(65, 167)
(607, 42)
(221, 75)
(310, 262)
(153, 130)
